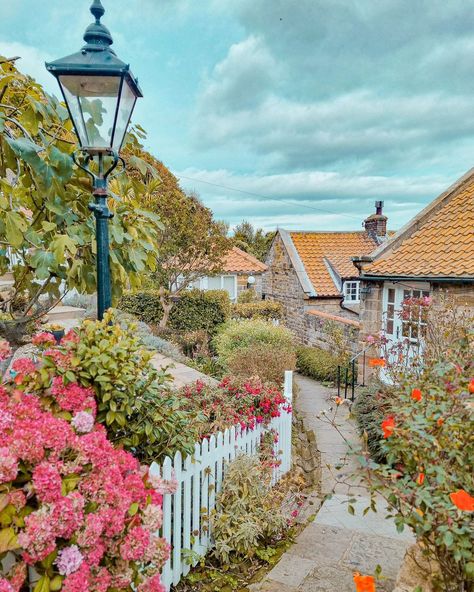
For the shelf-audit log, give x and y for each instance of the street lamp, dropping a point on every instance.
(100, 93)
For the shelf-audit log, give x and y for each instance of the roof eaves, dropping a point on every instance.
(336, 278)
(416, 222)
(298, 266)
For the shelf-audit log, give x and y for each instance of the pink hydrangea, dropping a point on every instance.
(101, 581)
(38, 536)
(158, 551)
(5, 350)
(135, 544)
(6, 420)
(8, 465)
(69, 560)
(43, 339)
(78, 581)
(152, 517)
(5, 586)
(24, 366)
(47, 482)
(152, 584)
(83, 422)
(72, 397)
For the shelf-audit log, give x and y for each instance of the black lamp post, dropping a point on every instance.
(100, 93)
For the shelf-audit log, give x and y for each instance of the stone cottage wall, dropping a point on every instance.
(281, 284)
(317, 331)
(242, 282)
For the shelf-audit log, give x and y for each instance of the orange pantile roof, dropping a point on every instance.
(314, 247)
(439, 242)
(238, 261)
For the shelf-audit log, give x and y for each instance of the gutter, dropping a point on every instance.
(418, 278)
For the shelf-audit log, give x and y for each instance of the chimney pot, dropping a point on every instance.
(376, 224)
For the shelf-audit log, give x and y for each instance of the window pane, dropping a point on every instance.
(390, 327)
(229, 285)
(214, 283)
(391, 295)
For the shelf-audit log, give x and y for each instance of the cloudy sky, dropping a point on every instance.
(291, 113)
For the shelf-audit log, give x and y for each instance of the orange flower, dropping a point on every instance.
(420, 478)
(440, 421)
(471, 386)
(462, 500)
(388, 425)
(377, 363)
(416, 394)
(339, 400)
(364, 583)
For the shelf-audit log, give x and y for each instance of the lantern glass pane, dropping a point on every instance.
(127, 103)
(92, 102)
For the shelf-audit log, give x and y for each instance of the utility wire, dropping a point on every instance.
(290, 203)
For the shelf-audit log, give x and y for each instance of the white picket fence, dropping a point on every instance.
(186, 512)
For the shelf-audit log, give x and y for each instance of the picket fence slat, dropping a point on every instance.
(186, 513)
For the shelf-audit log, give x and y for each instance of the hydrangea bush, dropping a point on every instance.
(76, 514)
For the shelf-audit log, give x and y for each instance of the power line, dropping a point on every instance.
(290, 203)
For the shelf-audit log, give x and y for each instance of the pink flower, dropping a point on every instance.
(72, 397)
(152, 517)
(47, 482)
(69, 560)
(5, 586)
(8, 466)
(24, 366)
(5, 350)
(370, 339)
(44, 339)
(135, 544)
(152, 584)
(83, 422)
(78, 581)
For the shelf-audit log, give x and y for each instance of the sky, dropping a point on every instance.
(290, 113)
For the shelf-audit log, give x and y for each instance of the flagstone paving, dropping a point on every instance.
(336, 543)
(182, 374)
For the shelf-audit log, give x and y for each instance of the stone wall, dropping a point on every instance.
(318, 327)
(280, 283)
(242, 283)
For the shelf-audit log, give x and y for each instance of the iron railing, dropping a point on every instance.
(347, 376)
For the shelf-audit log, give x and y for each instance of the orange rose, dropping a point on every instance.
(420, 479)
(471, 386)
(440, 421)
(462, 500)
(377, 363)
(339, 400)
(364, 583)
(388, 425)
(416, 395)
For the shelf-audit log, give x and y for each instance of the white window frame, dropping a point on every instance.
(346, 293)
(204, 284)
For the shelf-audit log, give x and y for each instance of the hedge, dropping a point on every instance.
(318, 363)
(264, 309)
(195, 310)
(371, 407)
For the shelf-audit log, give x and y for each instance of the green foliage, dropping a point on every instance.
(432, 436)
(318, 363)
(248, 295)
(247, 516)
(372, 404)
(264, 309)
(256, 348)
(138, 410)
(45, 222)
(196, 309)
(252, 240)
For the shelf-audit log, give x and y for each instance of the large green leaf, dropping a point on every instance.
(8, 540)
(15, 226)
(61, 245)
(43, 262)
(61, 162)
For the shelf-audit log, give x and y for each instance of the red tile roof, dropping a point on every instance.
(238, 261)
(338, 248)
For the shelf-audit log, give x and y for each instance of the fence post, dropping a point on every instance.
(288, 387)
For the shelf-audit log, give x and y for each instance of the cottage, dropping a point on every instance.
(434, 252)
(313, 276)
(240, 271)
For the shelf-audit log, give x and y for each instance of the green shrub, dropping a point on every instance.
(247, 515)
(264, 309)
(371, 406)
(247, 296)
(318, 363)
(256, 348)
(138, 410)
(196, 309)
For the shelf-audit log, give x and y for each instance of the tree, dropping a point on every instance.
(252, 240)
(192, 244)
(47, 233)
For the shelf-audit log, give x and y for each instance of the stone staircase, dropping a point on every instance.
(67, 316)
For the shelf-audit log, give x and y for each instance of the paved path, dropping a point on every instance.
(182, 374)
(336, 544)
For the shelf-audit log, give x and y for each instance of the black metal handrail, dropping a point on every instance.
(349, 375)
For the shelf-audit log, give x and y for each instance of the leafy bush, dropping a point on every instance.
(241, 342)
(134, 403)
(81, 513)
(246, 296)
(372, 404)
(247, 516)
(318, 363)
(195, 309)
(232, 403)
(194, 344)
(264, 309)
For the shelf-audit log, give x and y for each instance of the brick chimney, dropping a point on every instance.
(376, 224)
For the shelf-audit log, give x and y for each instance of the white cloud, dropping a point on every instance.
(31, 62)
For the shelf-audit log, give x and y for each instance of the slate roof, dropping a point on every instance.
(317, 249)
(439, 242)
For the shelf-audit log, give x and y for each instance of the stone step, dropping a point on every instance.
(65, 313)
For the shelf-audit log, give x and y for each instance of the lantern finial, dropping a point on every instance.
(97, 36)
